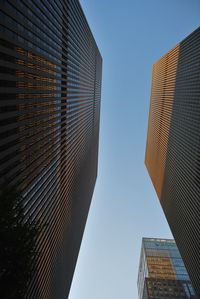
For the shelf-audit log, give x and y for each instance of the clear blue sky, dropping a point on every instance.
(131, 35)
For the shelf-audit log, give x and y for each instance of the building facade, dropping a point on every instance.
(173, 146)
(162, 273)
(50, 72)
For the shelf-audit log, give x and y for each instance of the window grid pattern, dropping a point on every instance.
(50, 69)
(162, 273)
(173, 143)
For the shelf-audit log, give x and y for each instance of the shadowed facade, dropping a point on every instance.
(173, 146)
(50, 71)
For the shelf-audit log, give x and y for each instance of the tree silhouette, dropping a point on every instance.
(17, 244)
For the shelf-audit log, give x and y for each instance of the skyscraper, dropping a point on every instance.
(162, 273)
(173, 146)
(49, 127)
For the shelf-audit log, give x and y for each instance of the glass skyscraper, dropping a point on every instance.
(50, 69)
(173, 146)
(162, 273)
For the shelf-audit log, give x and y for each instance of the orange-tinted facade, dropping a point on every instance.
(172, 148)
(50, 69)
(162, 95)
(162, 273)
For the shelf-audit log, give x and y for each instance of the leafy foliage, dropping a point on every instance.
(17, 244)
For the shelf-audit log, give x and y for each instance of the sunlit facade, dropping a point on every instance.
(173, 146)
(162, 273)
(50, 72)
